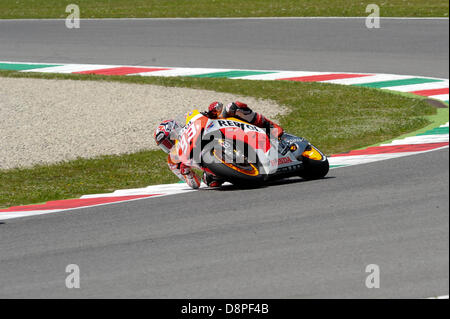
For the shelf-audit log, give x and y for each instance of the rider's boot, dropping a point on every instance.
(211, 180)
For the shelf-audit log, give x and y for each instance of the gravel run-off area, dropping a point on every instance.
(47, 121)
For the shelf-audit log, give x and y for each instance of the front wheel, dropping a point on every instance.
(315, 163)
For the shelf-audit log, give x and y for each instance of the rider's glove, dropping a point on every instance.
(233, 107)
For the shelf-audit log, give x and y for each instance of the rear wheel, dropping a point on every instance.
(315, 163)
(241, 173)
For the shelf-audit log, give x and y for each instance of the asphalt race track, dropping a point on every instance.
(300, 239)
(294, 239)
(416, 47)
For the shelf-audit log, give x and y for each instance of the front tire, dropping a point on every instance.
(313, 166)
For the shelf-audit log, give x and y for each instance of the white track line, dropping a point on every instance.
(353, 160)
(369, 79)
(279, 75)
(442, 97)
(18, 214)
(181, 72)
(69, 68)
(420, 139)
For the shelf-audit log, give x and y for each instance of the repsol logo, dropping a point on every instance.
(223, 123)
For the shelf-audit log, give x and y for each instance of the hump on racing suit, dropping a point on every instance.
(242, 111)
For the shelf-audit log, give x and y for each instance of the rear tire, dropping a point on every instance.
(231, 175)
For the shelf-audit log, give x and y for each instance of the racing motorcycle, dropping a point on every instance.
(244, 154)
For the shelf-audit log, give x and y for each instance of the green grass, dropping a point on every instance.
(23, 9)
(75, 178)
(335, 118)
(441, 117)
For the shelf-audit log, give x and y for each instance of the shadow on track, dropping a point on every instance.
(286, 181)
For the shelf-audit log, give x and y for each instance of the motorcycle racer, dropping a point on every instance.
(166, 134)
